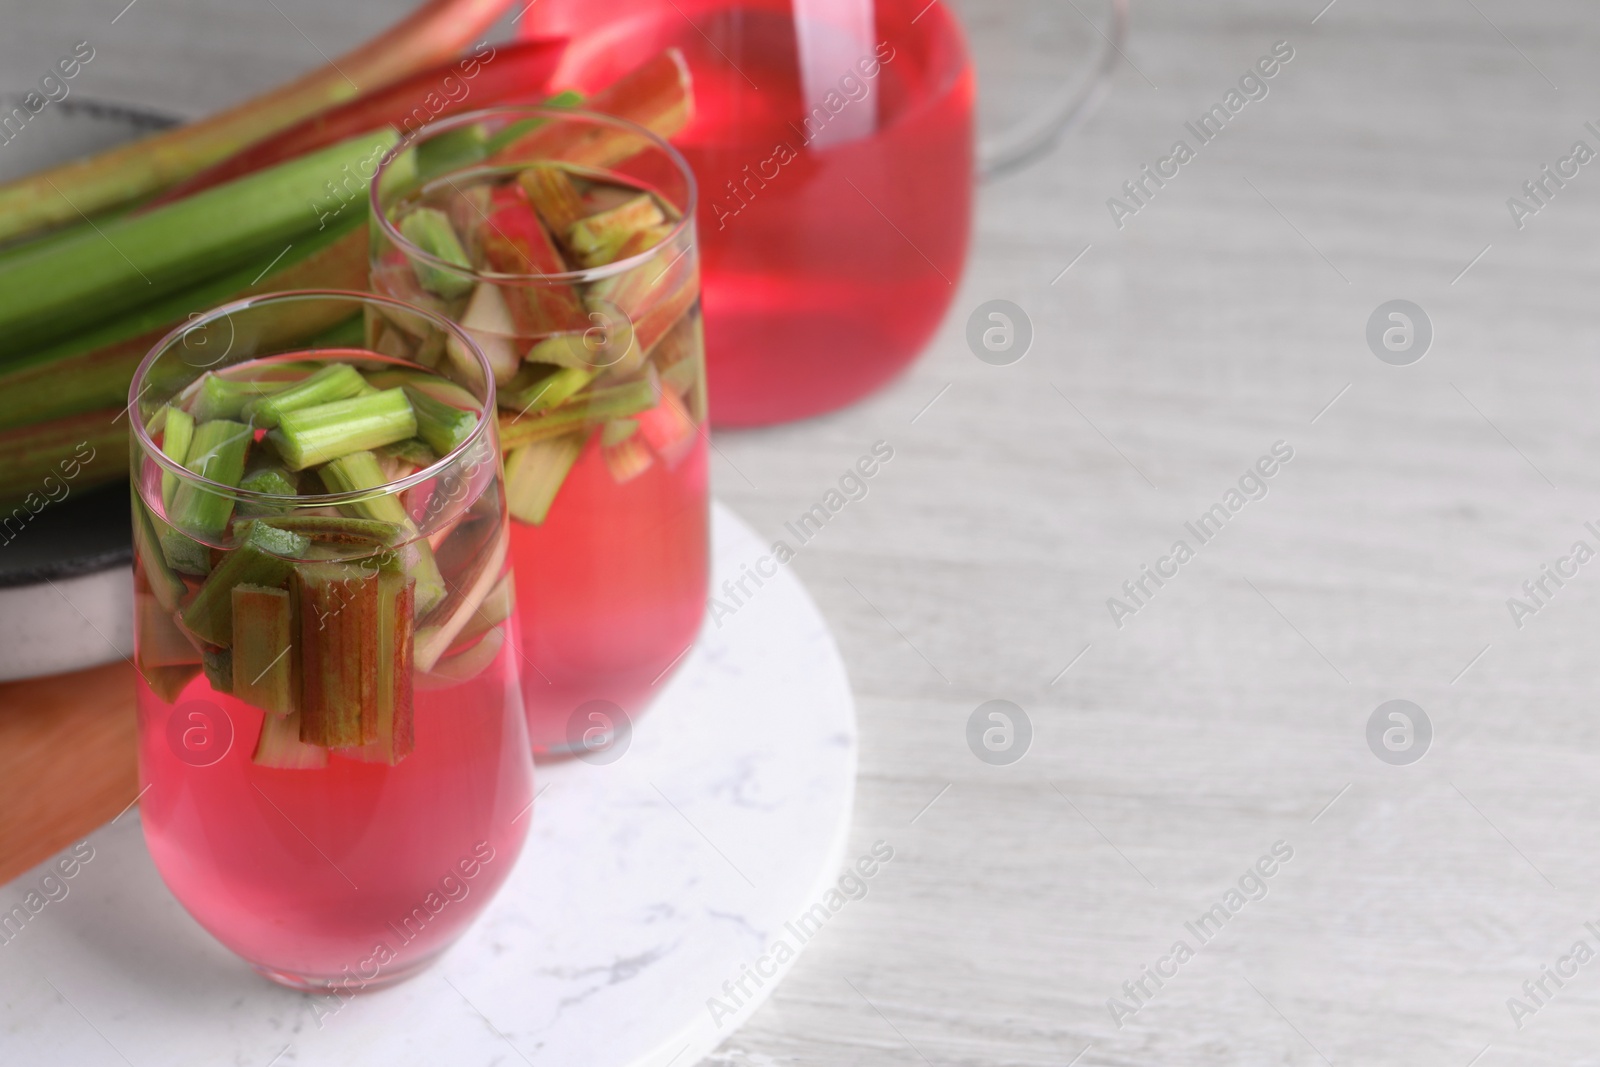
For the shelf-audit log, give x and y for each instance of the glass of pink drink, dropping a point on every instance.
(563, 242)
(331, 737)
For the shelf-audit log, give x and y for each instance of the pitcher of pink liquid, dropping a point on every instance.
(834, 145)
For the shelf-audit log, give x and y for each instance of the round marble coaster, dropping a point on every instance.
(641, 927)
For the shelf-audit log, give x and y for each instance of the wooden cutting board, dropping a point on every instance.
(68, 761)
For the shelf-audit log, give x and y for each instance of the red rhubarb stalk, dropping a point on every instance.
(437, 30)
(503, 74)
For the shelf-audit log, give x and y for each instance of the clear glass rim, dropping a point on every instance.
(142, 436)
(572, 277)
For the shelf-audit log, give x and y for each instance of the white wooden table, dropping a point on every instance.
(1230, 713)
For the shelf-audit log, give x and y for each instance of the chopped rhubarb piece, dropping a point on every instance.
(680, 355)
(168, 683)
(669, 429)
(465, 665)
(217, 452)
(161, 643)
(430, 230)
(627, 459)
(280, 747)
(164, 585)
(392, 732)
(596, 240)
(488, 321)
(534, 474)
(225, 398)
(357, 472)
(423, 382)
(514, 241)
(272, 481)
(592, 406)
(434, 640)
(655, 296)
(608, 343)
(617, 431)
(177, 434)
(316, 435)
(642, 241)
(337, 381)
(495, 609)
(344, 533)
(361, 471)
(264, 660)
(656, 96)
(338, 652)
(443, 426)
(264, 558)
(404, 458)
(551, 191)
(217, 663)
(541, 386)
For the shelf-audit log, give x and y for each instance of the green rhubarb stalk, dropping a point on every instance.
(166, 586)
(512, 132)
(343, 532)
(160, 642)
(271, 481)
(424, 382)
(218, 666)
(264, 660)
(541, 386)
(168, 683)
(263, 559)
(432, 34)
(60, 288)
(596, 405)
(217, 452)
(226, 398)
(549, 186)
(443, 426)
(680, 354)
(177, 433)
(93, 369)
(337, 381)
(597, 239)
(338, 652)
(315, 435)
(452, 150)
(430, 230)
(412, 452)
(359, 472)
(534, 474)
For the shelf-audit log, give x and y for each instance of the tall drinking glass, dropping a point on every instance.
(331, 738)
(564, 244)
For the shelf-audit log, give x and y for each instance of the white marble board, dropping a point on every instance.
(645, 885)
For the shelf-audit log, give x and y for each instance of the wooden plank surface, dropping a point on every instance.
(67, 761)
(1231, 712)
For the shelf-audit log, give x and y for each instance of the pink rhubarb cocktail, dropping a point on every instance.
(563, 243)
(331, 739)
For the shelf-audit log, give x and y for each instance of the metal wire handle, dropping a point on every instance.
(1023, 147)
